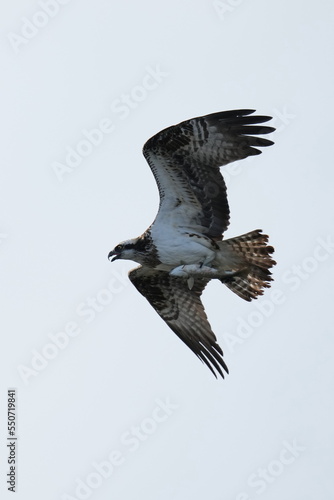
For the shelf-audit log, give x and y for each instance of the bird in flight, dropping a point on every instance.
(183, 249)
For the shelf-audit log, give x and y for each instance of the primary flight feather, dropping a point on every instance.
(183, 249)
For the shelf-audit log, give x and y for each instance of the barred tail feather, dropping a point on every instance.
(254, 274)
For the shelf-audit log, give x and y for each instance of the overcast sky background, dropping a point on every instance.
(132, 68)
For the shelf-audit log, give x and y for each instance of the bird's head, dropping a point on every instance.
(124, 250)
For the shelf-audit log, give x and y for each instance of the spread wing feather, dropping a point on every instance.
(183, 312)
(185, 161)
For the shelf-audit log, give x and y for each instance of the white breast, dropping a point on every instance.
(176, 246)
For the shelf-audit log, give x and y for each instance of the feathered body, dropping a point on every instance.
(184, 249)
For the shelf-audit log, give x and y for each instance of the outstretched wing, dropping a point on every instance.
(183, 312)
(185, 161)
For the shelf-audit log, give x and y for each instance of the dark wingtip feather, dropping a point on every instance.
(243, 112)
(260, 141)
(253, 152)
(228, 115)
(211, 355)
(262, 118)
(210, 362)
(254, 129)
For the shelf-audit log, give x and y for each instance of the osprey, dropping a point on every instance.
(183, 249)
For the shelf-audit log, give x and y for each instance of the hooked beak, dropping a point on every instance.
(113, 256)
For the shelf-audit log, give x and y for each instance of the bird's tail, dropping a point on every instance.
(255, 257)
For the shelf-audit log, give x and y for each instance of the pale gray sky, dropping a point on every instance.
(110, 404)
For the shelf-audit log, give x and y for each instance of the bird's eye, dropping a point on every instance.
(118, 248)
